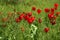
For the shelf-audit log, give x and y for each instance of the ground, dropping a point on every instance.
(10, 30)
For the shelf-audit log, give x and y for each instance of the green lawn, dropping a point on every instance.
(12, 30)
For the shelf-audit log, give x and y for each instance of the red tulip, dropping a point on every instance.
(17, 20)
(26, 17)
(29, 14)
(58, 13)
(46, 30)
(52, 10)
(38, 11)
(33, 18)
(39, 20)
(33, 8)
(55, 6)
(29, 20)
(54, 17)
(53, 22)
(21, 16)
(47, 10)
(50, 16)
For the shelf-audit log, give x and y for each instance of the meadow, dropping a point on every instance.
(30, 20)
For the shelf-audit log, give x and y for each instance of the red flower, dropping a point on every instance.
(54, 17)
(30, 20)
(52, 10)
(50, 16)
(26, 17)
(53, 22)
(21, 16)
(46, 30)
(33, 18)
(17, 20)
(39, 20)
(58, 13)
(56, 6)
(33, 8)
(38, 11)
(47, 9)
(29, 14)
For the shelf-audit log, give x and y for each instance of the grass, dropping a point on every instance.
(12, 30)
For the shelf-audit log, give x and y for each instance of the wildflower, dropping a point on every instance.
(38, 11)
(46, 29)
(17, 20)
(47, 10)
(21, 16)
(33, 8)
(56, 6)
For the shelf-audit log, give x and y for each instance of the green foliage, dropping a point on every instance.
(13, 32)
(10, 1)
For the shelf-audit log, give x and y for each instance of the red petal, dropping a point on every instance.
(47, 9)
(21, 16)
(52, 10)
(56, 4)
(46, 29)
(33, 18)
(58, 13)
(29, 14)
(50, 16)
(33, 8)
(26, 17)
(29, 20)
(17, 20)
(38, 11)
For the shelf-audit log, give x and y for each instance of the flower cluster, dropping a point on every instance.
(28, 16)
(52, 14)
